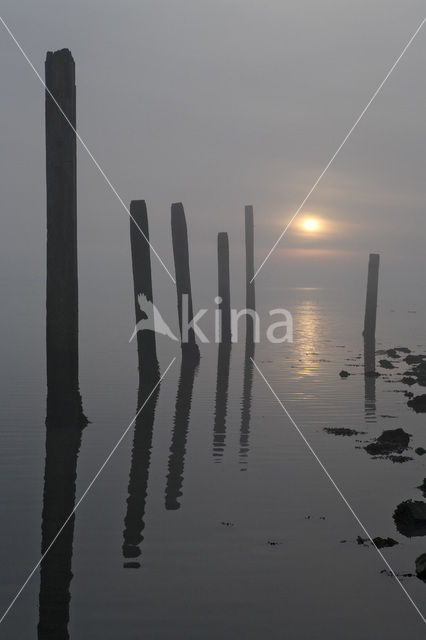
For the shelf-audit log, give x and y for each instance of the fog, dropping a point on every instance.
(221, 104)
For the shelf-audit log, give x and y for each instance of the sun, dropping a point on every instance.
(311, 224)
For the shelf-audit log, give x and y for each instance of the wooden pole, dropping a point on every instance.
(61, 182)
(369, 334)
(371, 300)
(249, 238)
(142, 283)
(183, 278)
(250, 292)
(224, 286)
(65, 419)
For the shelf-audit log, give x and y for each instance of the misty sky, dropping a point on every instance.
(219, 104)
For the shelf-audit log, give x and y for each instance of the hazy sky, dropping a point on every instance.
(219, 104)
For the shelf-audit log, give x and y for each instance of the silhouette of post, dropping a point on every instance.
(134, 520)
(61, 182)
(177, 454)
(224, 286)
(142, 282)
(369, 384)
(183, 280)
(371, 299)
(221, 402)
(250, 293)
(246, 401)
(63, 440)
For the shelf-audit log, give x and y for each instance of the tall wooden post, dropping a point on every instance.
(65, 419)
(250, 294)
(369, 334)
(142, 282)
(249, 238)
(224, 286)
(371, 300)
(61, 181)
(183, 279)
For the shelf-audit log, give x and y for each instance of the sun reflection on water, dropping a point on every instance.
(306, 337)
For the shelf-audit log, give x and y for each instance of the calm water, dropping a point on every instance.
(212, 519)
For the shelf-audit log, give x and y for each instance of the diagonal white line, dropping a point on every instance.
(345, 139)
(80, 500)
(338, 491)
(86, 148)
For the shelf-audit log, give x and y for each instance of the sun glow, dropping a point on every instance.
(311, 225)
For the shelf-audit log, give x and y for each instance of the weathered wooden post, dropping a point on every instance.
(371, 300)
(249, 238)
(224, 286)
(142, 282)
(61, 182)
(183, 281)
(65, 419)
(369, 334)
(250, 344)
(250, 291)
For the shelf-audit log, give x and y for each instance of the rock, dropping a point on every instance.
(384, 542)
(344, 374)
(414, 359)
(378, 541)
(342, 431)
(399, 458)
(420, 451)
(418, 403)
(422, 487)
(410, 518)
(408, 380)
(419, 373)
(391, 441)
(403, 349)
(392, 353)
(398, 437)
(421, 567)
(399, 575)
(386, 364)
